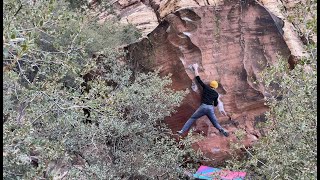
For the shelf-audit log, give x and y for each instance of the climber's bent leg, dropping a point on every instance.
(196, 115)
(213, 118)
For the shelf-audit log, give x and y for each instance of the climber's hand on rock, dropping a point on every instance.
(195, 66)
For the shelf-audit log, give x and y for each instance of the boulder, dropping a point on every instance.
(232, 42)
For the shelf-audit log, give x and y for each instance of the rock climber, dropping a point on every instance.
(209, 98)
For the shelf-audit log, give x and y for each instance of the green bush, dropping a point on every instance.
(48, 52)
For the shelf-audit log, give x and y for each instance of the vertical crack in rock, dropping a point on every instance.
(242, 42)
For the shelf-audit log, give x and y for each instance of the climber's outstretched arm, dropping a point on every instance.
(196, 73)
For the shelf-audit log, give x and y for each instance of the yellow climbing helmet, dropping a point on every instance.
(214, 84)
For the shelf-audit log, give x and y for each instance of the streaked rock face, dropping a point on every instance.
(232, 42)
(147, 14)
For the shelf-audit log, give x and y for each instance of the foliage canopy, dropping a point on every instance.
(72, 107)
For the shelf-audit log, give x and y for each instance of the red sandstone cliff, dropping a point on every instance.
(232, 41)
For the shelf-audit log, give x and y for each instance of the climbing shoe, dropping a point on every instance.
(225, 133)
(180, 132)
